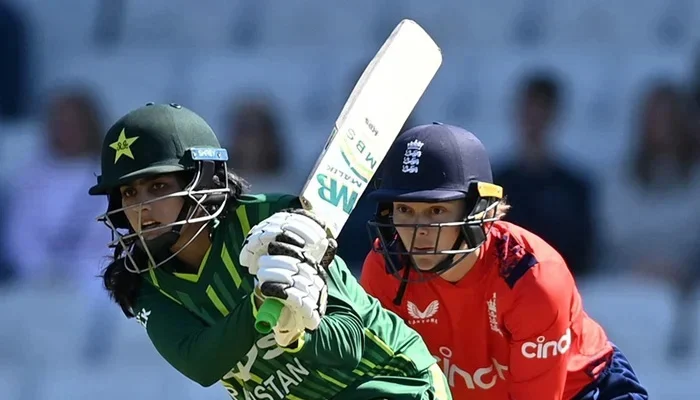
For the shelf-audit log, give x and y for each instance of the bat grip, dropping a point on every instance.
(268, 315)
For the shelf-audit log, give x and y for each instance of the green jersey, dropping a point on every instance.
(203, 324)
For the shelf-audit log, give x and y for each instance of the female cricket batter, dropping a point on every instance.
(180, 222)
(496, 304)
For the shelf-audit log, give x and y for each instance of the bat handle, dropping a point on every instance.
(268, 315)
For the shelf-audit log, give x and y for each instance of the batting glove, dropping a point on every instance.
(293, 229)
(290, 325)
(297, 281)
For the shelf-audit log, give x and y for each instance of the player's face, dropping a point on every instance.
(428, 238)
(143, 210)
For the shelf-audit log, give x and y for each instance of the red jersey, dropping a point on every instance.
(512, 328)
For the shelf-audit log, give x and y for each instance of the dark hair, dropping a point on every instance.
(124, 286)
(542, 85)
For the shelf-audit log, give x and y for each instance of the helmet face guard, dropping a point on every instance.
(205, 199)
(482, 200)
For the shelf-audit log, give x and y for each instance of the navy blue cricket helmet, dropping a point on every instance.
(431, 164)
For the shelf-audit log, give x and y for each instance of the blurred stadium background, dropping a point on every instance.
(589, 109)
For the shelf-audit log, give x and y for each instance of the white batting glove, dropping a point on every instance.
(296, 281)
(293, 228)
(289, 328)
(290, 325)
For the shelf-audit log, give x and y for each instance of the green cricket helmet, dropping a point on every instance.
(152, 140)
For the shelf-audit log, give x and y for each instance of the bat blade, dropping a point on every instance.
(379, 105)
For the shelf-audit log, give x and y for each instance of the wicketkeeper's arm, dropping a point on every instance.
(539, 326)
(200, 352)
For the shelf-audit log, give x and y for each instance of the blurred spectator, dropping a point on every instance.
(51, 230)
(651, 213)
(256, 145)
(14, 69)
(549, 196)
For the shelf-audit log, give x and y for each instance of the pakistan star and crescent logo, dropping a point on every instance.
(123, 146)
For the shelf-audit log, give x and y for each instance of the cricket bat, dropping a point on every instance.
(371, 119)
